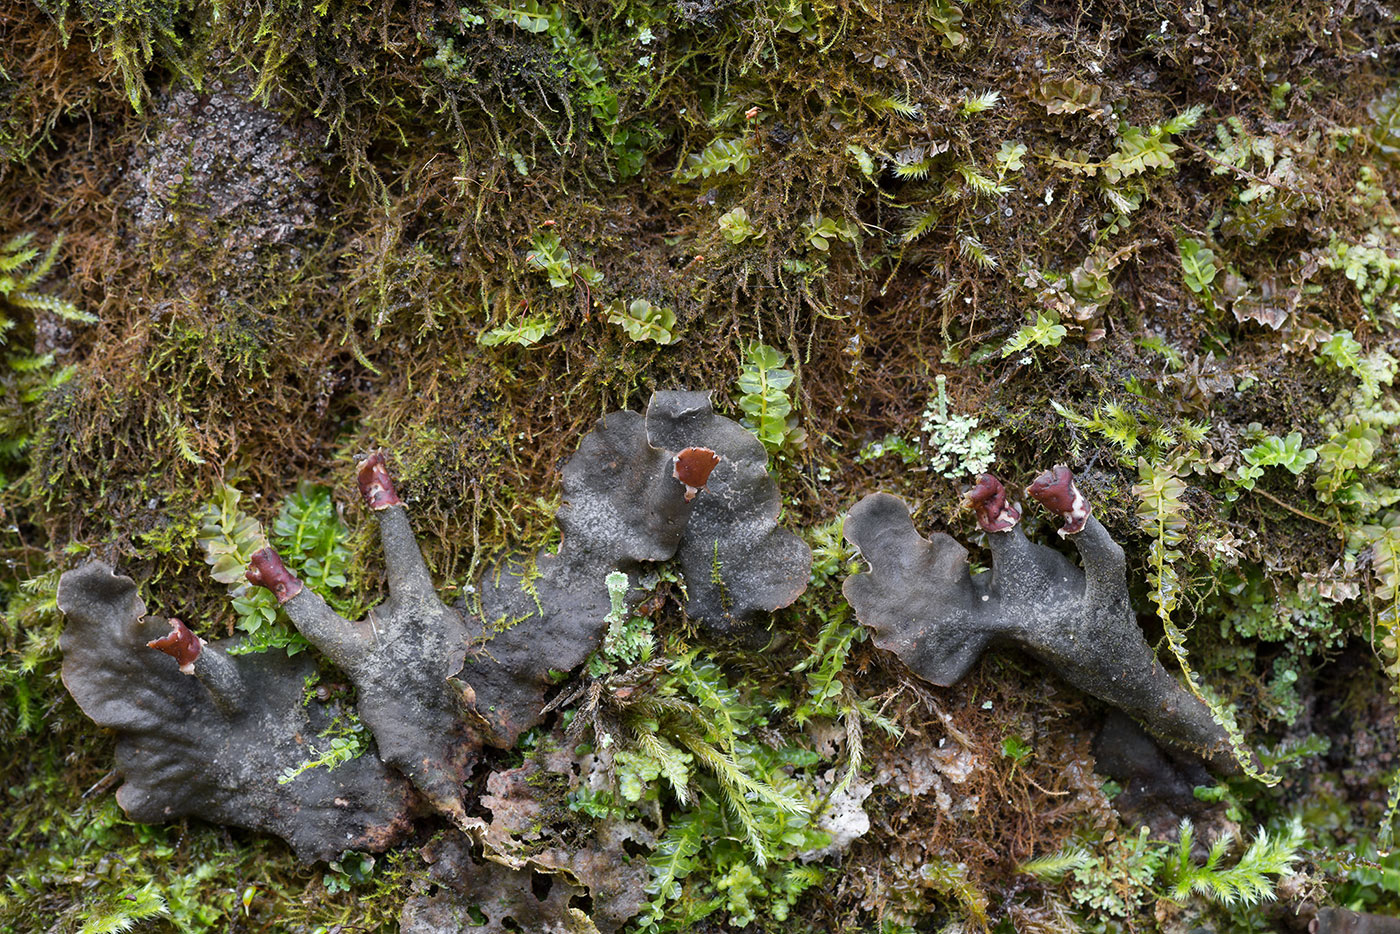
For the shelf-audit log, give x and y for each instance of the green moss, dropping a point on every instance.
(133, 33)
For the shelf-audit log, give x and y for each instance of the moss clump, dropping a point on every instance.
(132, 33)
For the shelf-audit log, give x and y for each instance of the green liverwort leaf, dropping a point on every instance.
(643, 321)
(1287, 452)
(525, 333)
(1198, 266)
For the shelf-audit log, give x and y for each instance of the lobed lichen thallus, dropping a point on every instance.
(925, 605)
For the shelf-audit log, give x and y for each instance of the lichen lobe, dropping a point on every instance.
(183, 753)
(923, 604)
